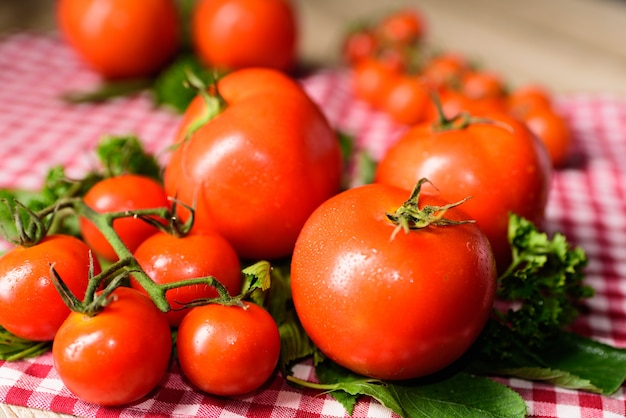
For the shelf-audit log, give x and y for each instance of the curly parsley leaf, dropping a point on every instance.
(544, 283)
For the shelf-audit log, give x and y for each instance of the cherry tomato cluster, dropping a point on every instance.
(127, 39)
(395, 72)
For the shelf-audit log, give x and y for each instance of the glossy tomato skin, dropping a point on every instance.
(121, 38)
(390, 308)
(30, 305)
(228, 350)
(117, 356)
(117, 194)
(166, 259)
(259, 168)
(233, 34)
(498, 162)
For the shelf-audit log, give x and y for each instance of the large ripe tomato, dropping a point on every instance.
(257, 169)
(117, 356)
(121, 38)
(30, 305)
(234, 34)
(228, 350)
(117, 194)
(496, 160)
(166, 258)
(390, 308)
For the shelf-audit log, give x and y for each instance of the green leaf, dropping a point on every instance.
(544, 282)
(444, 395)
(126, 154)
(565, 359)
(460, 395)
(108, 90)
(14, 348)
(171, 88)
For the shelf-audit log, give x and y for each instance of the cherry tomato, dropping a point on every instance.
(121, 38)
(122, 193)
(527, 97)
(372, 81)
(407, 100)
(552, 129)
(228, 350)
(117, 356)
(483, 85)
(496, 160)
(358, 45)
(405, 26)
(166, 258)
(445, 70)
(454, 102)
(260, 167)
(390, 308)
(30, 305)
(234, 34)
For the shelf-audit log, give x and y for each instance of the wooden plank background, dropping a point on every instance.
(571, 46)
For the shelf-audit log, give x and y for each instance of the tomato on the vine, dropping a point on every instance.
(233, 34)
(30, 305)
(260, 166)
(121, 38)
(126, 192)
(117, 356)
(228, 350)
(405, 26)
(407, 100)
(373, 79)
(383, 302)
(166, 258)
(493, 158)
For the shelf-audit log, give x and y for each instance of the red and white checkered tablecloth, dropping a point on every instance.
(37, 130)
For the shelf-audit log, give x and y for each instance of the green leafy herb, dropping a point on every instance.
(544, 283)
(171, 88)
(14, 348)
(108, 90)
(450, 395)
(125, 154)
(565, 359)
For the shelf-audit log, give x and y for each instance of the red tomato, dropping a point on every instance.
(228, 350)
(260, 167)
(117, 194)
(445, 70)
(121, 38)
(166, 258)
(407, 100)
(233, 34)
(500, 163)
(358, 45)
(527, 97)
(454, 102)
(552, 129)
(372, 81)
(390, 308)
(483, 85)
(30, 305)
(117, 356)
(406, 26)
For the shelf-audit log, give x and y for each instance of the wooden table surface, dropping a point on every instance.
(570, 46)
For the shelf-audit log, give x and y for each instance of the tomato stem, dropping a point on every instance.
(409, 216)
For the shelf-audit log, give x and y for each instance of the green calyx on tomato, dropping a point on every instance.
(214, 103)
(409, 216)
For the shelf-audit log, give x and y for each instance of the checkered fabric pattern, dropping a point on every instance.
(38, 130)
